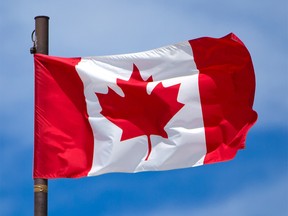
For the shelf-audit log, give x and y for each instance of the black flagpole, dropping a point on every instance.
(40, 38)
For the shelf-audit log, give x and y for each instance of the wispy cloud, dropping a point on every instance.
(265, 199)
(113, 27)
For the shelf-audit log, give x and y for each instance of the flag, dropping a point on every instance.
(178, 106)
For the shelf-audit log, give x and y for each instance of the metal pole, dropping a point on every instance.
(42, 34)
(41, 45)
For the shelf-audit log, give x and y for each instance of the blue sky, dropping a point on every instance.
(254, 183)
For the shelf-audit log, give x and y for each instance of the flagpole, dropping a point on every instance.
(41, 45)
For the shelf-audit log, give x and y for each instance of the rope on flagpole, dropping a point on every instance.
(33, 38)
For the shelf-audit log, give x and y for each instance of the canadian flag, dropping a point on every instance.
(178, 106)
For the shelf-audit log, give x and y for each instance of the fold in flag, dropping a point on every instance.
(178, 106)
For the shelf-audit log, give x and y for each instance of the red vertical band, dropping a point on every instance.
(63, 135)
(227, 87)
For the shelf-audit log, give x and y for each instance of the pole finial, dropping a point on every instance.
(42, 16)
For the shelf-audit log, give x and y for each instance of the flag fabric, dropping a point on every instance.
(178, 106)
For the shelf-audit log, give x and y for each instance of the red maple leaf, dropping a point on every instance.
(139, 113)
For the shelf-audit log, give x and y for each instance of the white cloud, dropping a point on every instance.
(111, 27)
(265, 199)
